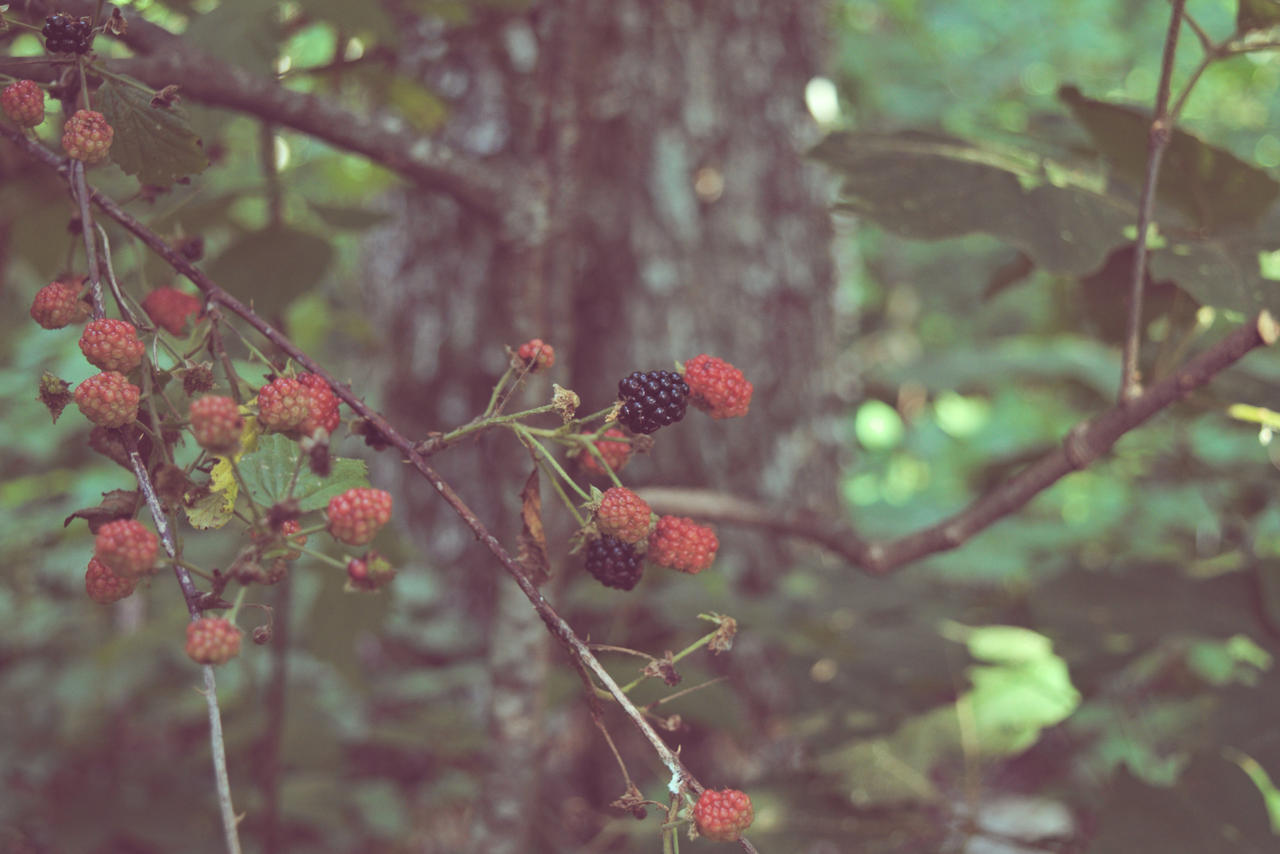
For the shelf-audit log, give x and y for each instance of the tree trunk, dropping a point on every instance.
(678, 217)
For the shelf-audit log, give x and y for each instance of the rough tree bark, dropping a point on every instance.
(679, 217)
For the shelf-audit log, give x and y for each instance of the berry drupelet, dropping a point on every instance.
(651, 400)
(614, 563)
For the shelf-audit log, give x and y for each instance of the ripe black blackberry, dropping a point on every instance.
(651, 400)
(614, 563)
(64, 33)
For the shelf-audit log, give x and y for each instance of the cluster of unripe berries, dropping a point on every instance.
(86, 135)
(630, 533)
(624, 533)
(109, 399)
(125, 551)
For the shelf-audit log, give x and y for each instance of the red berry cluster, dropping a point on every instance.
(127, 548)
(23, 103)
(682, 544)
(169, 308)
(721, 816)
(717, 387)
(356, 515)
(216, 423)
(87, 136)
(112, 345)
(536, 355)
(298, 406)
(57, 305)
(212, 640)
(108, 399)
(104, 586)
(623, 514)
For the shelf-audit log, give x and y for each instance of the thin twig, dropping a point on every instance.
(1158, 138)
(79, 189)
(191, 595)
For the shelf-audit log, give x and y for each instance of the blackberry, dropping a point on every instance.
(652, 400)
(614, 563)
(66, 34)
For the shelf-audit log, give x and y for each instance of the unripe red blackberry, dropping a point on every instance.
(126, 547)
(717, 387)
(651, 400)
(87, 136)
(356, 515)
(169, 308)
(64, 33)
(216, 423)
(23, 102)
(104, 586)
(112, 345)
(614, 563)
(322, 406)
(57, 305)
(682, 544)
(283, 404)
(623, 514)
(536, 354)
(108, 399)
(721, 816)
(212, 640)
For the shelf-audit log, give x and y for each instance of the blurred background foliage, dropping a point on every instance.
(1095, 673)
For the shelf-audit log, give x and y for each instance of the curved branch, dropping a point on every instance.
(497, 190)
(1084, 444)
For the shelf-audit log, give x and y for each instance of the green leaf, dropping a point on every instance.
(1257, 15)
(269, 268)
(1007, 644)
(1066, 220)
(268, 470)
(932, 187)
(1209, 185)
(156, 144)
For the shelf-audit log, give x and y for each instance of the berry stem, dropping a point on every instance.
(688, 650)
(219, 350)
(80, 189)
(235, 606)
(540, 455)
(293, 481)
(604, 464)
(320, 556)
(492, 406)
(484, 422)
(84, 84)
(125, 311)
(244, 489)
